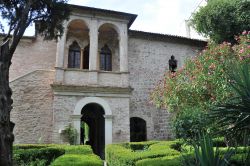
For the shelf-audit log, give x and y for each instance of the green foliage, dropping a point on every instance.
(202, 83)
(123, 155)
(71, 134)
(81, 155)
(162, 161)
(78, 160)
(189, 123)
(50, 15)
(79, 149)
(172, 153)
(221, 20)
(234, 117)
(31, 146)
(206, 155)
(44, 154)
(36, 156)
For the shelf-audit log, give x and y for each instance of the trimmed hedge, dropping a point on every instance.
(81, 155)
(127, 154)
(159, 153)
(162, 161)
(78, 160)
(43, 155)
(28, 156)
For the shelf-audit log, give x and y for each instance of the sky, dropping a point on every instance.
(157, 16)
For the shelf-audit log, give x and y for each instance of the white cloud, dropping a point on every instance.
(158, 16)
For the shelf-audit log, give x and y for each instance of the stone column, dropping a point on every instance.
(108, 129)
(60, 58)
(93, 53)
(77, 125)
(93, 48)
(123, 47)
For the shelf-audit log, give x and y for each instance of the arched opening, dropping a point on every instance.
(108, 45)
(78, 32)
(138, 130)
(93, 128)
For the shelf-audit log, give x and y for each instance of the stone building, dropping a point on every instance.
(101, 73)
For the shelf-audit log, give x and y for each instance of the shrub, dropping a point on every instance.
(43, 154)
(31, 146)
(123, 155)
(171, 153)
(78, 160)
(76, 149)
(163, 161)
(189, 123)
(29, 156)
(70, 134)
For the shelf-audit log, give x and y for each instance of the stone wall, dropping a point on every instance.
(148, 60)
(33, 54)
(32, 107)
(64, 105)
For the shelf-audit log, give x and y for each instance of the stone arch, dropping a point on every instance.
(78, 19)
(87, 100)
(108, 116)
(112, 25)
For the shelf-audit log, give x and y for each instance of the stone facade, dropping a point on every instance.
(48, 95)
(32, 107)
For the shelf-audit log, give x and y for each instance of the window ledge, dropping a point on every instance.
(86, 70)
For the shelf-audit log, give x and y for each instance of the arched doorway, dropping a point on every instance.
(138, 131)
(93, 118)
(79, 111)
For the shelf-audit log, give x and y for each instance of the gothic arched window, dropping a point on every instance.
(106, 59)
(74, 55)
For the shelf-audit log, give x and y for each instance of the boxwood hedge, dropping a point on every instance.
(159, 153)
(128, 154)
(44, 155)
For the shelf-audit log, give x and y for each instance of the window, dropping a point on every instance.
(106, 59)
(86, 57)
(74, 55)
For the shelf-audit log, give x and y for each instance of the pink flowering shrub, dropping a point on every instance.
(200, 84)
(203, 80)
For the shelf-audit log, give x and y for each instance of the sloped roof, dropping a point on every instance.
(104, 12)
(165, 37)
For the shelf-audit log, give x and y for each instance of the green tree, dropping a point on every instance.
(222, 19)
(19, 14)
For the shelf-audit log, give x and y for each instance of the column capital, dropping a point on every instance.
(75, 117)
(108, 117)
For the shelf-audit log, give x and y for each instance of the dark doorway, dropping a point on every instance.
(138, 131)
(93, 121)
(86, 57)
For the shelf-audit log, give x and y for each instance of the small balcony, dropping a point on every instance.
(80, 77)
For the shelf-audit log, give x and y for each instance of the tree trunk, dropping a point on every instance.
(6, 126)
